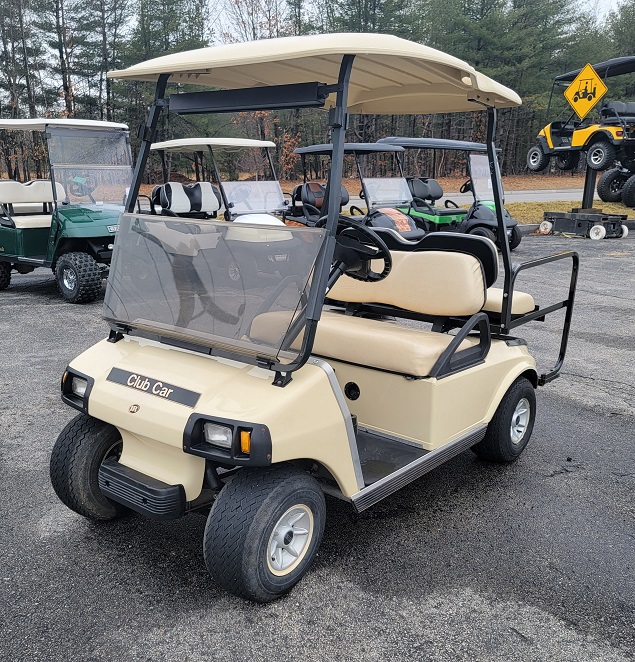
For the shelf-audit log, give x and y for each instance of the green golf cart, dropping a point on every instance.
(68, 222)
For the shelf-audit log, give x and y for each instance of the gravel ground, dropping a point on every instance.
(532, 561)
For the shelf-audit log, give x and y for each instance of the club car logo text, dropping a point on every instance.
(154, 387)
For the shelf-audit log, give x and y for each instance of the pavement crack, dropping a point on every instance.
(524, 637)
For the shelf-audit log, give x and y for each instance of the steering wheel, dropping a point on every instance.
(451, 203)
(356, 247)
(356, 211)
(81, 187)
(466, 187)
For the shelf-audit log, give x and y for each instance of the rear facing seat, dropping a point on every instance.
(614, 110)
(456, 287)
(17, 198)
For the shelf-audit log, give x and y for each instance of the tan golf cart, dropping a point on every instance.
(249, 404)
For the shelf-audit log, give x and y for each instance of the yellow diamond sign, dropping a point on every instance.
(585, 91)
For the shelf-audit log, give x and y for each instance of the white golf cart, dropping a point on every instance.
(67, 222)
(250, 405)
(258, 202)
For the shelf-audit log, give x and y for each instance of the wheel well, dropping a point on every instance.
(71, 246)
(600, 135)
(532, 376)
(317, 470)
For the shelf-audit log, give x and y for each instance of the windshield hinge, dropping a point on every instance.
(282, 379)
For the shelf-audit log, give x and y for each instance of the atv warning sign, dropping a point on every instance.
(585, 91)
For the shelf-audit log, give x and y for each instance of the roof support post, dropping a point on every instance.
(500, 220)
(147, 137)
(219, 181)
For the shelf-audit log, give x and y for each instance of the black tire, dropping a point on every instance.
(567, 160)
(78, 453)
(628, 192)
(5, 275)
(515, 238)
(242, 521)
(78, 277)
(601, 155)
(537, 160)
(498, 445)
(482, 231)
(611, 185)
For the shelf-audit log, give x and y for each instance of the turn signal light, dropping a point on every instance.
(245, 441)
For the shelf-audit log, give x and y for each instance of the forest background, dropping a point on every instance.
(54, 55)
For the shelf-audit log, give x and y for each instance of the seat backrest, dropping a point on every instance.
(37, 191)
(630, 108)
(435, 283)
(386, 217)
(312, 193)
(617, 106)
(426, 189)
(202, 197)
(173, 197)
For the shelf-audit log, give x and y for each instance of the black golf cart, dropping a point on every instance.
(480, 218)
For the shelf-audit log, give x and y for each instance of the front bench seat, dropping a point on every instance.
(37, 192)
(426, 192)
(455, 286)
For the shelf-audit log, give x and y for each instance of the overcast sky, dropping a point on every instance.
(602, 7)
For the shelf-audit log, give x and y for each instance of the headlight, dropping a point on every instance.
(79, 386)
(218, 435)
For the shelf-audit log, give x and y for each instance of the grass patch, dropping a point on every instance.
(532, 212)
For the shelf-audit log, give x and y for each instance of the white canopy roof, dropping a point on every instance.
(39, 124)
(200, 144)
(390, 75)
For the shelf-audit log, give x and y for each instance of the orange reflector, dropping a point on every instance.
(245, 441)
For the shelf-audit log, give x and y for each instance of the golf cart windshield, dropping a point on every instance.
(168, 280)
(481, 177)
(248, 197)
(94, 166)
(387, 191)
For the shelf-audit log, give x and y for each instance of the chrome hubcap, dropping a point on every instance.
(520, 420)
(233, 271)
(69, 278)
(534, 158)
(596, 156)
(290, 540)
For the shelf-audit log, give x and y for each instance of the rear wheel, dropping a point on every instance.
(78, 277)
(78, 453)
(546, 227)
(483, 232)
(515, 238)
(537, 160)
(567, 160)
(624, 232)
(510, 429)
(263, 531)
(5, 275)
(601, 155)
(628, 192)
(611, 185)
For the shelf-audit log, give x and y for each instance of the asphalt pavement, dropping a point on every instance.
(532, 561)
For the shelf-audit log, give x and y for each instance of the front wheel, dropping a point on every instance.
(262, 548)
(78, 453)
(78, 277)
(628, 192)
(537, 160)
(5, 275)
(597, 232)
(601, 155)
(510, 429)
(515, 238)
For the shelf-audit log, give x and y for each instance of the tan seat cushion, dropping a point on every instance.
(521, 301)
(440, 283)
(32, 221)
(382, 344)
